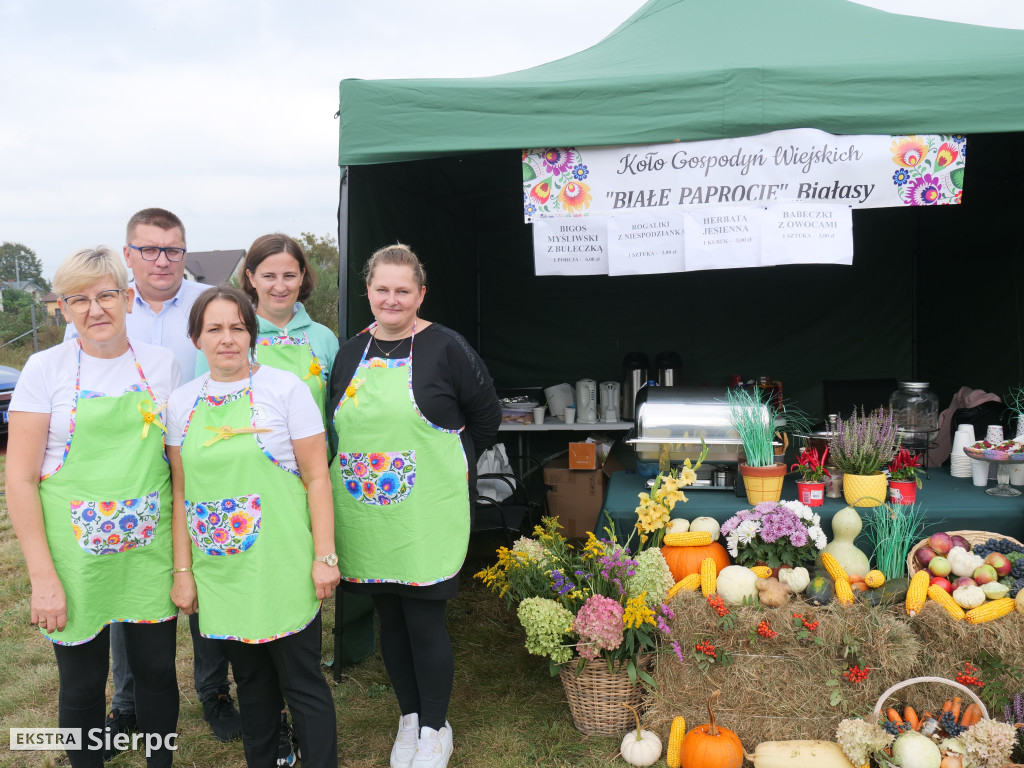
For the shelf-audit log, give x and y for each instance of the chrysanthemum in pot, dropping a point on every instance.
(861, 446)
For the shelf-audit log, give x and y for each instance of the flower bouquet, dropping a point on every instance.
(775, 534)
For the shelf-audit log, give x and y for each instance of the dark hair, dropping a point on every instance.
(157, 217)
(400, 254)
(227, 293)
(269, 245)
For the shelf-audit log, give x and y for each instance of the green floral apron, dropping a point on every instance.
(248, 518)
(400, 483)
(294, 354)
(107, 513)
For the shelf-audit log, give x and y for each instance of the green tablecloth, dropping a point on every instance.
(950, 504)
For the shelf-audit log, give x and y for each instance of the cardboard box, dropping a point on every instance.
(583, 456)
(576, 497)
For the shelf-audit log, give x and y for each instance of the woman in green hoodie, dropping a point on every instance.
(278, 279)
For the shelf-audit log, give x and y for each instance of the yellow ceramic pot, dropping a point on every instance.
(763, 483)
(865, 490)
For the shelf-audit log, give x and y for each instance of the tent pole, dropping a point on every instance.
(343, 202)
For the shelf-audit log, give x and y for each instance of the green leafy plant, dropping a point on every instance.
(759, 421)
(893, 530)
(904, 466)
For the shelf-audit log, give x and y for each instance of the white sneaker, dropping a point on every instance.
(404, 750)
(433, 747)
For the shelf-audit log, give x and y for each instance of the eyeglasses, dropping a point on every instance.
(152, 252)
(80, 304)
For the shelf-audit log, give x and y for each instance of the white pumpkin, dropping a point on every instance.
(677, 525)
(708, 524)
(640, 747)
(969, 597)
(796, 578)
(735, 582)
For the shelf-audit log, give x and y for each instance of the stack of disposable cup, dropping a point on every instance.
(960, 462)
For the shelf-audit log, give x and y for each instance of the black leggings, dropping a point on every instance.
(418, 655)
(291, 666)
(83, 685)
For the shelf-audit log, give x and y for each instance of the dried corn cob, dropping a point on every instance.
(917, 593)
(943, 598)
(844, 592)
(835, 570)
(673, 756)
(688, 539)
(709, 576)
(762, 571)
(993, 609)
(690, 583)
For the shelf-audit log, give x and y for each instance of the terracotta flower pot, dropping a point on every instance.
(902, 491)
(865, 490)
(763, 483)
(810, 493)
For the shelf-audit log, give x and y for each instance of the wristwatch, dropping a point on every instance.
(331, 559)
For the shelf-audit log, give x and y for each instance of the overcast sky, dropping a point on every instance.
(223, 110)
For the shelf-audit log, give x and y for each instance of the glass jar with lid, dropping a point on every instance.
(915, 407)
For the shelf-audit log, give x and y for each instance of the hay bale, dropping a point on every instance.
(778, 688)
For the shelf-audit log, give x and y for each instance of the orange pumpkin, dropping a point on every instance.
(711, 745)
(683, 561)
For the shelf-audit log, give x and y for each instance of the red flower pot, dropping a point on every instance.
(902, 491)
(812, 494)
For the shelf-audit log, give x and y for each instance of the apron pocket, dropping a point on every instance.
(379, 479)
(225, 526)
(107, 527)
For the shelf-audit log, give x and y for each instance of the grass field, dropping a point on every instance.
(506, 712)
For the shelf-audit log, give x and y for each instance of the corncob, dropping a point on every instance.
(674, 755)
(874, 579)
(688, 539)
(993, 609)
(835, 570)
(943, 598)
(709, 576)
(844, 592)
(917, 593)
(688, 583)
(762, 571)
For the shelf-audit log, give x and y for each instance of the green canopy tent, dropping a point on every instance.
(933, 293)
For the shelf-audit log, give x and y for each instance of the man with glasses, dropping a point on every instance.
(155, 253)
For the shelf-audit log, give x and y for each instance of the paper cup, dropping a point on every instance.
(570, 415)
(538, 415)
(994, 433)
(979, 471)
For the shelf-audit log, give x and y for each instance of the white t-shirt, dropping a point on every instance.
(47, 385)
(283, 404)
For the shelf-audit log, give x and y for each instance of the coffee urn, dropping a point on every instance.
(634, 377)
(669, 365)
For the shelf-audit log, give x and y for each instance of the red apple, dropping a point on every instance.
(942, 582)
(964, 581)
(1000, 562)
(960, 541)
(939, 566)
(923, 556)
(940, 543)
(983, 574)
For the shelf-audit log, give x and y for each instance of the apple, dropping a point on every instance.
(960, 541)
(940, 543)
(943, 582)
(983, 574)
(1000, 562)
(964, 581)
(939, 566)
(923, 556)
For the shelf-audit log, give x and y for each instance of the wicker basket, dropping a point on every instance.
(596, 696)
(975, 537)
(887, 693)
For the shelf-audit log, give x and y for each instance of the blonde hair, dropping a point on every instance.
(88, 266)
(400, 254)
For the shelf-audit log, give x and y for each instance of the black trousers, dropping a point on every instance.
(417, 652)
(289, 666)
(83, 687)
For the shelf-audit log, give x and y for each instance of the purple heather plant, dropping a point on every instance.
(863, 444)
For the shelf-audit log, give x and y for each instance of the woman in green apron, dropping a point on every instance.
(89, 495)
(410, 425)
(253, 528)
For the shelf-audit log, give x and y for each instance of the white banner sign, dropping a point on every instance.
(646, 243)
(802, 165)
(807, 234)
(576, 247)
(723, 238)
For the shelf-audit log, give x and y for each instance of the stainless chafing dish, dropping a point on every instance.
(672, 421)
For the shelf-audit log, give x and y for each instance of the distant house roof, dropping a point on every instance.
(213, 267)
(25, 285)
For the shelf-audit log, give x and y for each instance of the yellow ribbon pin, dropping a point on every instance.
(223, 433)
(149, 416)
(314, 370)
(350, 392)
